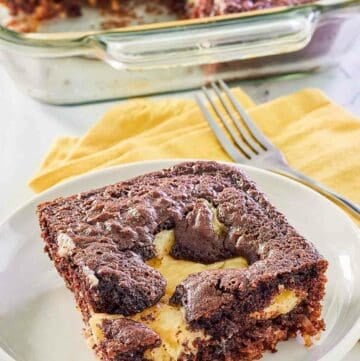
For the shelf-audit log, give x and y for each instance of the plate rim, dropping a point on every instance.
(340, 349)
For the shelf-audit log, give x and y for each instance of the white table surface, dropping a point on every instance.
(27, 127)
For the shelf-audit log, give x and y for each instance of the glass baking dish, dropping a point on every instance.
(87, 66)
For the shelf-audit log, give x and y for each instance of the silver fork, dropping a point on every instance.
(248, 145)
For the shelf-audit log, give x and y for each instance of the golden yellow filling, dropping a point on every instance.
(281, 304)
(168, 321)
(175, 271)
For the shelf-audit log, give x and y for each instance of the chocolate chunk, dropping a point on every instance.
(118, 282)
(127, 338)
(199, 236)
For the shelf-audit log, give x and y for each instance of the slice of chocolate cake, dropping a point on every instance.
(189, 263)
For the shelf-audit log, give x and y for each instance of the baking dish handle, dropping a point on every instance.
(196, 45)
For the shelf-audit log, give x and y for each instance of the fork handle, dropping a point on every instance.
(333, 196)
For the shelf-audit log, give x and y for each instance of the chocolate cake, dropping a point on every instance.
(191, 263)
(45, 9)
(48, 8)
(205, 8)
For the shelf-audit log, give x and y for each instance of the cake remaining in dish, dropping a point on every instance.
(49, 8)
(190, 263)
(205, 8)
(45, 9)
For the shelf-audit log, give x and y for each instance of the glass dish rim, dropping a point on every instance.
(73, 39)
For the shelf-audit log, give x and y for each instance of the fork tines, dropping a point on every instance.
(247, 140)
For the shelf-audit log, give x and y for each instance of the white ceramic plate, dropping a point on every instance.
(38, 320)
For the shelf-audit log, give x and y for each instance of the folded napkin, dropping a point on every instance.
(318, 137)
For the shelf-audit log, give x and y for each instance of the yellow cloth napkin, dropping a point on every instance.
(317, 136)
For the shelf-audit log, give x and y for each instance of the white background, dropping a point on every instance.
(28, 127)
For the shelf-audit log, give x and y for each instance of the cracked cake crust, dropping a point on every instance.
(125, 339)
(117, 282)
(102, 240)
